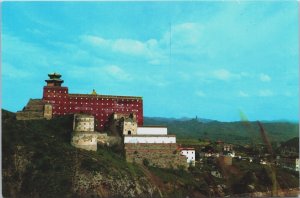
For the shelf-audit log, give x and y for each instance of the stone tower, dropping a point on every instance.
(83, 135)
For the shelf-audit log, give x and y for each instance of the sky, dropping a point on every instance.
(207, 59)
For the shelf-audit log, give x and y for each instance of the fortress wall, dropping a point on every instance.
(104, 139)
(160, 155)
(29, 115)
(34, 110)
(87, 141)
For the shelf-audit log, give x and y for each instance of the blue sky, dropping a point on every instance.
(210, 59)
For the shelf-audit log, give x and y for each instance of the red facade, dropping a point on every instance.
(100, 106)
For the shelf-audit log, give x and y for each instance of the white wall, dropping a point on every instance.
(149, 139)
(152, 131)
(190, 155)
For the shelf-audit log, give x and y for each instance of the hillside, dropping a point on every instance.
(38, 161)
(289, 148)
(234, 132)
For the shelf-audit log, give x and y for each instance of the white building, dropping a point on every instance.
(150, 135)
(152, 139)
(152, 130)
(190, 155)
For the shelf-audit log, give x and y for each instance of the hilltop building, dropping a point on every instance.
(58, 101)
(122, 116)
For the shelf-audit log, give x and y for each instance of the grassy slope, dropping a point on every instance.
(52, 161)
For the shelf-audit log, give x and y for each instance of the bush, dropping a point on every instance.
(90, 165)
(146, 162)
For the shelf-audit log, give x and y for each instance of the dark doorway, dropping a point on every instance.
(129, 132)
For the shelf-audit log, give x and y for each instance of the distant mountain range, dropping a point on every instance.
(204, 120)
(235, 132)
(160, 119)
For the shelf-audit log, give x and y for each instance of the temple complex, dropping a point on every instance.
(121, 116)
(58, 101)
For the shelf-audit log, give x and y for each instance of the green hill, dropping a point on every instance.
(289, 148)
(39, 161)
(234, 132)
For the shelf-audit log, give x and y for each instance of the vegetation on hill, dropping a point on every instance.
(233, 132)
(39, 161)
(289, 148)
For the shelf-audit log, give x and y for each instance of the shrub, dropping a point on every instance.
(146, 162)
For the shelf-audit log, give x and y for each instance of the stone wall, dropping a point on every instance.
(34, 110)
(48, 111)
(90, 140)
(84, 140)
(160, 155)
(104, 139)
(83, 122)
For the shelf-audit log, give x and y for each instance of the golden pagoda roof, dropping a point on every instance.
(94, 92)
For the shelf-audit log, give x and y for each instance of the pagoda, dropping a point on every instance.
(54, 80)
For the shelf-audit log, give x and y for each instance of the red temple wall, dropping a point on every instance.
(100, 106)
